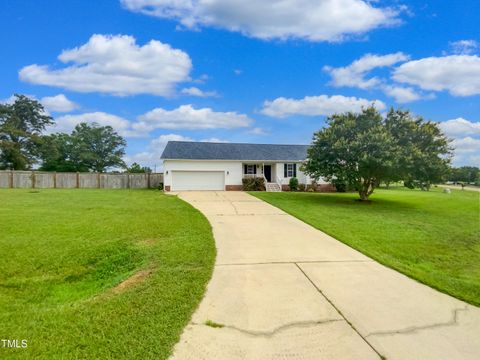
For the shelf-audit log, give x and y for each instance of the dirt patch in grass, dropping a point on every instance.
(146, 242)
(131, 281)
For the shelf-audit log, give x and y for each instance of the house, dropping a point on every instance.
(222, 166)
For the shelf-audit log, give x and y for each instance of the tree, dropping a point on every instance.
(137, 168)
(363, 149)
(354, 148)
(87, 148)
(424, 150)
(21, 124)
(465, 174)
(98, 147)
(58, 153)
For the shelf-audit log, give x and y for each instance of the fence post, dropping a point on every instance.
(11, 179)
(78, 179)
(128, 180)
(33, 179)
(148, 180)
(98, 180)
(54, 179)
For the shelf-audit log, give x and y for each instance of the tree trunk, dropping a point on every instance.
(363, 190)
(363, 195)
(366, 188)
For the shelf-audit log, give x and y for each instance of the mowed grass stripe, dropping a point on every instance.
(64, 254)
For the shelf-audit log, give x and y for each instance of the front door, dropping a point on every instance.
(267, 171)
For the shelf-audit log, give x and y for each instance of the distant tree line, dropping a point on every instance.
(23, 144)
(465, 175)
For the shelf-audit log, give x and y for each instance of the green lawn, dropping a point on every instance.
(430, 236)
(64, 254)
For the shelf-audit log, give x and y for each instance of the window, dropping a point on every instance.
(289, 170)
(250, 169)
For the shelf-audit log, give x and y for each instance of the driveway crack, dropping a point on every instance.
(341, 314)
(412, 329)
(271, 333)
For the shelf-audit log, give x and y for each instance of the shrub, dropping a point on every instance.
(160, 186)
(253, 184)
(293, 184)
(340, 186)
(301, 187)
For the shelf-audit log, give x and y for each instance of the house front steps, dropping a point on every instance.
(272, 187)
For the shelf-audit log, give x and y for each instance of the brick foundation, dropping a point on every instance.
(234, 187)
(326, 188)
(320, 188)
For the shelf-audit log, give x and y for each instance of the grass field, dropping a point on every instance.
(99, 274)
(430, 236)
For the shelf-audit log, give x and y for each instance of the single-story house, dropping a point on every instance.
(189, 165)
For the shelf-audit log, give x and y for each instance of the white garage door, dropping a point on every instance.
(198, 180)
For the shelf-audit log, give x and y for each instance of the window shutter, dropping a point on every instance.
(294, 170)
(245, 169)
(255, 169)
(285, 170)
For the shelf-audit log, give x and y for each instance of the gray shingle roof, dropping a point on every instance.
(189, 150)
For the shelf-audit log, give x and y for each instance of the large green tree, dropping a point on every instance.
(58, 153)
(21, 127)
(354, 148)
(90, 147)
(98, 147)
(424, 150)
(364, 149)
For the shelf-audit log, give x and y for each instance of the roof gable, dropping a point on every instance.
(189, 150)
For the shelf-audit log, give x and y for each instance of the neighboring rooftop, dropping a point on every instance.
(189, 150)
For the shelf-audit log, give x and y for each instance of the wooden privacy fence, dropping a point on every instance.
(82, 180)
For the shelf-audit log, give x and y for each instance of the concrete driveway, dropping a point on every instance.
(284, 290)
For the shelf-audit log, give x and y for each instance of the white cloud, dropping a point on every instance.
(67, 123)
(353, 75)
(214, 140)
(460, 127)
(313, 20)
(151, 156)
(316, 105)
(115, 65)
(464, 47)
(258, 131)
(466, 151)
(58, 103)
(11, 99)
(187, 117)
(458, 74)
(403, 94)
(466, 145)
(466, 142)
(194, 91)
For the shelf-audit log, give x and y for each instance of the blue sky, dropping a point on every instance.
(230, 70)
